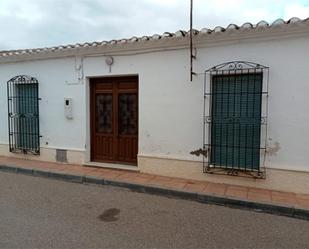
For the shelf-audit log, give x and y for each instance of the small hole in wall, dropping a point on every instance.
(46, 143)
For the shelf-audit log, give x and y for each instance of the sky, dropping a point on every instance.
(45, 23)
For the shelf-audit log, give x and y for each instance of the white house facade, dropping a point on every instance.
(130, 104)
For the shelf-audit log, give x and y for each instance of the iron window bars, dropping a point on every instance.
(23, 114)
(235, 119)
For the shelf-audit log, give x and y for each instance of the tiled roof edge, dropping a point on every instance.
(164, 36)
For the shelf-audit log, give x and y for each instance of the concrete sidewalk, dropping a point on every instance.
(282, 203)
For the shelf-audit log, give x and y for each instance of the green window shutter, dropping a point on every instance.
(23, 114)
(27, 109)
(236, 121)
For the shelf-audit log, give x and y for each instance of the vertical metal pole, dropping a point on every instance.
(191, 40)
(37, 102)
(9, 115)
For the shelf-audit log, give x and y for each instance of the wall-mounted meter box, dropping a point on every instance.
(68, 108)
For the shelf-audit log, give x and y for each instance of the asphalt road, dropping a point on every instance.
(44, 213)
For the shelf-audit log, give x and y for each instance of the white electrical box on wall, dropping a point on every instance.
(68, 108)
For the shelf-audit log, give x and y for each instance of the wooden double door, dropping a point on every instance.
(114, 119)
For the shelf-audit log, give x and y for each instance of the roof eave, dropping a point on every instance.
(203, 38)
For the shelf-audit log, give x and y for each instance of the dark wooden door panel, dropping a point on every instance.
(103, 133)
(127, 114)
(127, 149)
(104, 114)
(114, 119)
(103, 148)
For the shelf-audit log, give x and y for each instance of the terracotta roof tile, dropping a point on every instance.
(166, 35)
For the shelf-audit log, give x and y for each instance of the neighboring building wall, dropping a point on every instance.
(171, 108)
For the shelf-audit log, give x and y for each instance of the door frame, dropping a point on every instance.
(89, 125)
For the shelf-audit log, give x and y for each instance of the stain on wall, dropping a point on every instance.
(273, 148)
(199, 152)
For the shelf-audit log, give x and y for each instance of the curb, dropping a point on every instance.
(281, 210)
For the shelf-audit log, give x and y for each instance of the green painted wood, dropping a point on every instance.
(236, 121)
(28, 117)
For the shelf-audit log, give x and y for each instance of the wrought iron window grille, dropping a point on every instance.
(23, 114)
(235, 119)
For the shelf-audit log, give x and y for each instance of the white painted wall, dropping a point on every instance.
(56, 130)
(170, 106)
